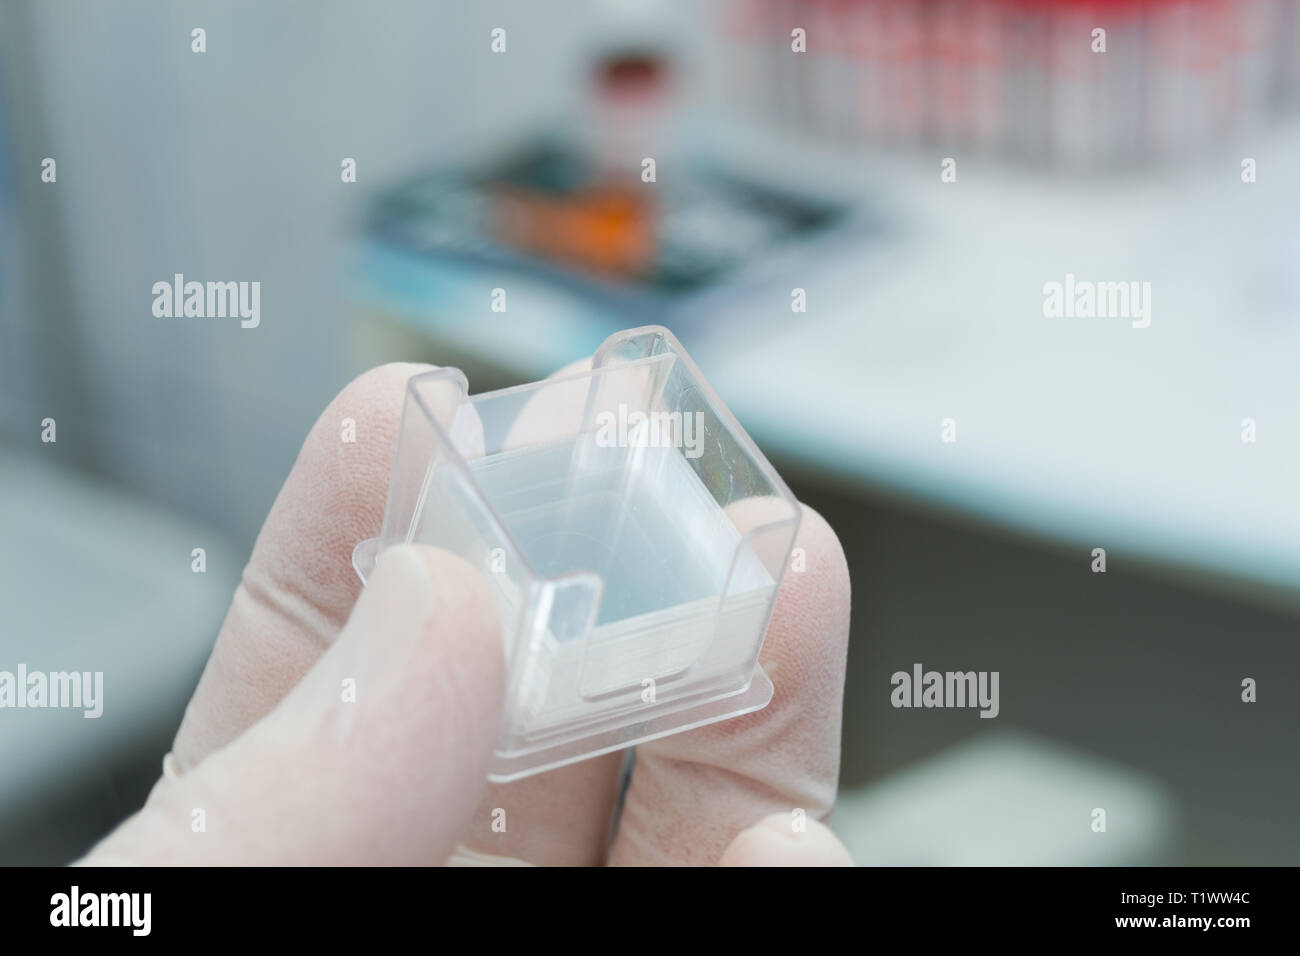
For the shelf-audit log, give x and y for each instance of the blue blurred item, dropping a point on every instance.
(684, 250)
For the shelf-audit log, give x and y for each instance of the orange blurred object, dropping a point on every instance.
(602, 228)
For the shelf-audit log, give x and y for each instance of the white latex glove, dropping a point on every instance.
(280, 768)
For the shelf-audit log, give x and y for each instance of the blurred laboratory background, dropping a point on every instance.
(851, 214)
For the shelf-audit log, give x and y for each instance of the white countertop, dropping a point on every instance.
(1084, 430)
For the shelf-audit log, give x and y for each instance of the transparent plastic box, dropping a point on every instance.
(634, 535)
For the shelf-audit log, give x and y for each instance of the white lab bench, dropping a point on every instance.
(1088, 431)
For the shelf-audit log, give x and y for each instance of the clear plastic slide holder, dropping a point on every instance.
(633, 534)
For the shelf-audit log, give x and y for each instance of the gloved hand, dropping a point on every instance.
(274, 764)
